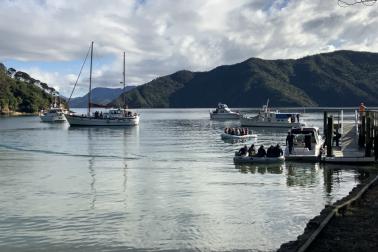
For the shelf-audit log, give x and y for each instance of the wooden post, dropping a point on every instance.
(363, 131)
(329, 137)
(325, 123)
(368, 134)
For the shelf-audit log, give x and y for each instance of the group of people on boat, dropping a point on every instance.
(237, 131)
(98, 114)
(272, 151)
(293, 117)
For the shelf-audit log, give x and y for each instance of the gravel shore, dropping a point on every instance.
(355, 228)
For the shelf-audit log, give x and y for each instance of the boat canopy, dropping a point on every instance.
(285, 115)
(303, 131)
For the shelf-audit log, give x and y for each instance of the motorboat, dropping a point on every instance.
(223, 112)
(113, 117)
(54, 114)
(269, 118)
(245, 159)
(307, 144)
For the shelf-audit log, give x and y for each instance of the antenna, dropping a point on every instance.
(346, 3)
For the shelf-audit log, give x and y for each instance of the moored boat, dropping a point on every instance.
(53, 115)
(114, 117)
(269, 118)
(306, 144)
(223, 112)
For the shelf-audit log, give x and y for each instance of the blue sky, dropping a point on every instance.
(49, 38)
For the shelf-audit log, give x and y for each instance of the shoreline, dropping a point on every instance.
(331, 240)
(16, 113)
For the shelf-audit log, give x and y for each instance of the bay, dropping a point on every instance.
(167, 184)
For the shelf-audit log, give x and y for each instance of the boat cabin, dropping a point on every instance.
(222, 108)
(306, 135)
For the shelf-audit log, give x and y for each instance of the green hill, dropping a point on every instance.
(18, 96)
(341, 78)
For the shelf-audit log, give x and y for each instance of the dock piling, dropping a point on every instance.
(329, 136)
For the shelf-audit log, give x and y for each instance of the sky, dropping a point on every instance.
(49, 38)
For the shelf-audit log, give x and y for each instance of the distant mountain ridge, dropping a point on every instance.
(340, 78)
(100, 96)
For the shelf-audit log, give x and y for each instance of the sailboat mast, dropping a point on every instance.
(124, 82)
(90, 82)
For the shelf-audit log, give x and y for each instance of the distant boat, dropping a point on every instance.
(113, 117)
(268, 118)
(307, 144)
(223, 112)
(54, 114)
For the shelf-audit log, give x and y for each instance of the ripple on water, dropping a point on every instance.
(168, 184)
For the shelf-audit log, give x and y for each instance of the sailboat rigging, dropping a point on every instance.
(113, 117)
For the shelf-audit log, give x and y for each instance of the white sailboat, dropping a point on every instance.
(113, 117)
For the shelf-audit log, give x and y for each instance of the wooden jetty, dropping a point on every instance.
(356, 141)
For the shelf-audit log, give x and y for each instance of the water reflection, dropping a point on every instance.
(261, 168)
(301, 174)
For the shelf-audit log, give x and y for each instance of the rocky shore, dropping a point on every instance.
(353, 228)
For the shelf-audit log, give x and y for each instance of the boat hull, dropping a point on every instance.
(224, 116)
(91, 121)
(247, 122)
(54, 118)
(237, 137)
(253, 160)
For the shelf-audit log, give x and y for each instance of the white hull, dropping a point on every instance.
(91, 121)
(52, 118)
(252, 160)
(224, 116)
(250, 122)
(236, 137)
(303, 154)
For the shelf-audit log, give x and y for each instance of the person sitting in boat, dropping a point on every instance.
(243, 151)
(270, 151)
(96, 114)
(277, 151)
(252, 150)
(261, 151)
(241, 132)
(237, 132)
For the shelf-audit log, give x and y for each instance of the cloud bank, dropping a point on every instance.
(163, 36)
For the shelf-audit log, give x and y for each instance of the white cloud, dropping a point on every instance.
(163, 36)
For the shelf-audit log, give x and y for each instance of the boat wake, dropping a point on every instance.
(48, 152)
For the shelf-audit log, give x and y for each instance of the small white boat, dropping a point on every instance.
(223, 112)
(53, 115)
(307, 144)
(250, 160)
(225, 136)
(268, 118)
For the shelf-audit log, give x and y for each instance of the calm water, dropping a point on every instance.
(167, 184)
